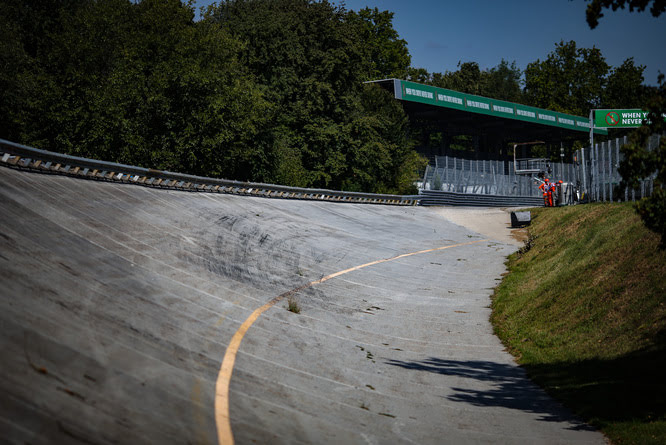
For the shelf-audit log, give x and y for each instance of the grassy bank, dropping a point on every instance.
(583, 308)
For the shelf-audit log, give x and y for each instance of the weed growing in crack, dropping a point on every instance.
(292, 306)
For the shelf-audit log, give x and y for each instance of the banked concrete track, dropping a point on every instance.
(118, 303)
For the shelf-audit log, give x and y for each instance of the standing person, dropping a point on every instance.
(545, 186)
(551, 189)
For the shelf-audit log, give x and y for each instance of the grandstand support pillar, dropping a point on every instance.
(476, 144)
(496, 146)
(446, 142)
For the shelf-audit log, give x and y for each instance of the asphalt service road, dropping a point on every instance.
(138, 315)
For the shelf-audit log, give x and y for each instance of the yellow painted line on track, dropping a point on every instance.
(222, 419)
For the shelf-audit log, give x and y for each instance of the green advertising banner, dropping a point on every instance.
(619, 118)
(441, 97)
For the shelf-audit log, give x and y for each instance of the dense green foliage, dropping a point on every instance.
(593, 13)
(583, 308)
(501, 82)
(134, 83)
(260, 90)
(327, 128)
(257, 90)
(575, 80)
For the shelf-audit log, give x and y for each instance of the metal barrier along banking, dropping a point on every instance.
(24, 157)
(438, 197)
(593, 176)
(21, 156)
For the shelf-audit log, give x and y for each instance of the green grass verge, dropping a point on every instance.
(583, 308)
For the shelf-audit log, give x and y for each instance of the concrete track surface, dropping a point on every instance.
(118, 303)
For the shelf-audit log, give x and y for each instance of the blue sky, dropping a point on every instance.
(441, 33)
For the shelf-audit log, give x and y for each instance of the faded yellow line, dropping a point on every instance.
(222, 420)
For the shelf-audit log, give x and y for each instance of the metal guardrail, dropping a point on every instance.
(24, 157)
(436, 197)
(21, 156)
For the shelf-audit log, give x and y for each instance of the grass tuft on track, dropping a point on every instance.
(583, 308)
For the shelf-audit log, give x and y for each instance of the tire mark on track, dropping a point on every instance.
(222, 417)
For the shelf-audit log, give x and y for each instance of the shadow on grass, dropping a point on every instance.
(506, 386)
(631, 388)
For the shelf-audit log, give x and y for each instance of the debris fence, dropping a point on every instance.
(487, 177)
(599, 176)
(592, 176)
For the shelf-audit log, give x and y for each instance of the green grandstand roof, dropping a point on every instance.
(469, 103)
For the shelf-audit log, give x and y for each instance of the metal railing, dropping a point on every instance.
(435, 197)
(21, 156)
(531, 166)
(452, 181)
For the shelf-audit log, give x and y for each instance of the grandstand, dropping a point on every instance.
(491, 124)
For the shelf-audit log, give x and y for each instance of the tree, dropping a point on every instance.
(25, 84)
(311, 59)
(624, 87)
(593, 13)
(181, 98)
(500, 82)
(384, 52)
(383, 158)
(262, 90)
(419, 75)
(17, 85)
(302, 54)
(503, 82)
(132, 82)
(467, 79)
(571, 80)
